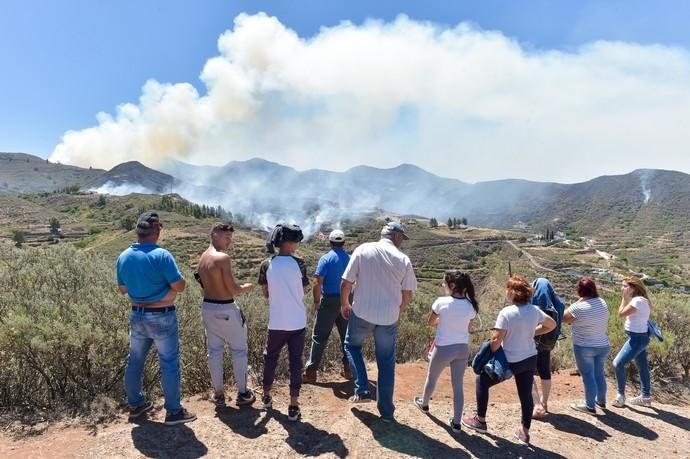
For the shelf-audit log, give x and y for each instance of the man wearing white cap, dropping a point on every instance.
(326, 292)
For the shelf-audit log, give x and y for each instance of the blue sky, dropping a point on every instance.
(64, 61)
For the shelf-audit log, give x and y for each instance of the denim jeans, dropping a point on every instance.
(635, 348)
(384, 343)
(590, 363)
(327, 315)
(146, 328)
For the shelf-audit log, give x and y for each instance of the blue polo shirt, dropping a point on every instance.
(331, 267)
(147, 270)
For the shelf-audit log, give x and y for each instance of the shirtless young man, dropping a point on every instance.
(223, 320)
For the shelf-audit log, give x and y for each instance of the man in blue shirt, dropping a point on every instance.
(150, 277)
(327, 277)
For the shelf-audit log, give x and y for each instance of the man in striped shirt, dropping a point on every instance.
(384, 281)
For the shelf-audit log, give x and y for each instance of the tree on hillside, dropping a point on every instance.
(101, 201)
(54, 225)
(464, 221)
(18, 237)
(127, 223)
(450, 222)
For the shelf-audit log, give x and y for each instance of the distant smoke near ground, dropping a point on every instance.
(645, 179)
(460, 102)
(121, 190)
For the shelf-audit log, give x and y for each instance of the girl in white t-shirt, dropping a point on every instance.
(452, 315)
(635, 307)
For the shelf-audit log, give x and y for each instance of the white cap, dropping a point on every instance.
(336, 236)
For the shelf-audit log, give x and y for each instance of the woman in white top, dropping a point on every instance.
(635, 307)
(589, 318)
(516, 327)
(452, 314)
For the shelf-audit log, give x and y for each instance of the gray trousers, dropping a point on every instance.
(327, 316)
(455, 356)
(224, 324)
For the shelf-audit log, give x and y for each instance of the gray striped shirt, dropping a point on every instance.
(591, 322)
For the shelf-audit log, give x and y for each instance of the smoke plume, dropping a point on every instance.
(460, 102)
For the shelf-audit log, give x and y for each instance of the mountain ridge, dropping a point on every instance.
(641, 200)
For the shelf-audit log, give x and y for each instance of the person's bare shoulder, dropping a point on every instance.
(221, 259)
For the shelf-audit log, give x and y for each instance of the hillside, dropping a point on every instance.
(643, 204)
(131, 177)
(22, 173)
(333, 427)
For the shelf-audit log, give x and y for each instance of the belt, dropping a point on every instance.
(158, 310)
(211, 300)
(328, 295)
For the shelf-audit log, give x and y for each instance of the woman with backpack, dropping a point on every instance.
(549, 302)
(452, 314)
(589, 317)
(516, 327)
(635, 307)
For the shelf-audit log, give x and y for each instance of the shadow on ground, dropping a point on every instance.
(154, 439)
(306, 439)
(627, 425)
(573, 425)
(666, 416)
(477, 444)
(404, 439)
(242, 420)
(342, 390)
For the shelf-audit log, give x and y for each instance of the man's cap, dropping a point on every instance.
(148, 223)
(393, 227)
(336, 236)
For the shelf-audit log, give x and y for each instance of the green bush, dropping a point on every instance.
(64, 331)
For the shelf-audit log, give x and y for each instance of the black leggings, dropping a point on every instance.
(523, 372)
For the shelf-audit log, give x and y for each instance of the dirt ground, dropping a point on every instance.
(333, 427)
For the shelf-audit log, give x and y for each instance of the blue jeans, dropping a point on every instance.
(146, 328)
(384, 343)
(634, 349)
(590, 363)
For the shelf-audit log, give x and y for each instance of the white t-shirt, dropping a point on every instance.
(454, 317)
(591, 322)
(520, 323)
(380, 272)
(637, 321)
(286, 277)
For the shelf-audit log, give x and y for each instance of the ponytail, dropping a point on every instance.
(461, 282)
(470, 292)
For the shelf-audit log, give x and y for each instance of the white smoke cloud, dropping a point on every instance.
(459, 102)
(121, 189)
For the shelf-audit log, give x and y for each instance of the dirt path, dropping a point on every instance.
(532, 260)
(333, 427)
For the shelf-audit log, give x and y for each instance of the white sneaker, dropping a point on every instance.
(619, 401)
(641, 400)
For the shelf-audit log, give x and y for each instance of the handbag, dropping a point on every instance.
(654, 330)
